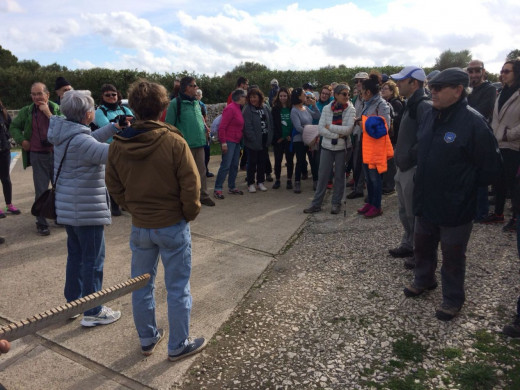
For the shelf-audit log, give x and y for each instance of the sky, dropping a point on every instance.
(212, 37)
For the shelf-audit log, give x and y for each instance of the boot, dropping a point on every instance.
(297, 187)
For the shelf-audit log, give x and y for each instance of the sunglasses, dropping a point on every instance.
(343, 94)
(193, 85)
(440, 87)
(474, 70)
(110, 94)
(505, 71)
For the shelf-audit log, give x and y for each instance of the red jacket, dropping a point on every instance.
(232, 124)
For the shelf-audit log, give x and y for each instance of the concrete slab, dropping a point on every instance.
(233, 243)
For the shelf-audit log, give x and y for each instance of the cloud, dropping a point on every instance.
(10, 6)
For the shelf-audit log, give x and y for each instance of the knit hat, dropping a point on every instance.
(60, 82)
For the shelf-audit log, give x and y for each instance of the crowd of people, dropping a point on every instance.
(440, 144)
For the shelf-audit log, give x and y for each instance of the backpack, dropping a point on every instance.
(214, 127)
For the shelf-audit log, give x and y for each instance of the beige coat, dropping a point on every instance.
(506, 123)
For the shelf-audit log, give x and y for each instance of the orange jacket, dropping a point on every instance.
(376, 151)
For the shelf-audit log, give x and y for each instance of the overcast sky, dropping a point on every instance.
(212, 37)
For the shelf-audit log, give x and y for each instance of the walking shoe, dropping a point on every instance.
(207, 202)
(510, 227)
(2, 214)
(251, 188)
(261, 187)
(289, 185)
(276, 185)
(373, 212)
(105, 316)
(218, 194)
(148, 350)
(297, 187)
(329, 185)
(312, 209)
(512, 330)
(446, 312)
(493, 218)
(235, 191)
(365, 208)
(336, 208)
(400, 251)
(412, 291)
(194, 346)
(409, 262)
(354, 195)
(10, 209)
(209, 174)
(43, 230)
(269, 177)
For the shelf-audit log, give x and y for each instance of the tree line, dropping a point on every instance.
(16, 77)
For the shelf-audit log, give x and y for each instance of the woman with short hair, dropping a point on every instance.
(82, 201)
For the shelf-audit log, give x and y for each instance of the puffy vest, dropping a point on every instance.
(376, 146)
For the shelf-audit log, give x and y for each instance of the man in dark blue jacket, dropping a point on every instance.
(457, 153)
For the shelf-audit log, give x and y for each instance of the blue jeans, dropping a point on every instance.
(173, 243)
(85, 260)
(229, 164)
(374, 186)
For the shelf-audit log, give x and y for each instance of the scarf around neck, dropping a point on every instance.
(337, 112)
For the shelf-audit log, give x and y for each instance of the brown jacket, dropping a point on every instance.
(506, 123)
(151, 173)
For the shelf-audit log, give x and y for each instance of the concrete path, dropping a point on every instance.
(233, 243)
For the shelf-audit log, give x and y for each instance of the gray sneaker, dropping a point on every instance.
(312, 209)
(105, 316)
(336, 208)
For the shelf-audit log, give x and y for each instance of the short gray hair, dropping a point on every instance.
(75, 104)
(237, 94)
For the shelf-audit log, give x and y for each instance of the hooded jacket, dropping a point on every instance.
(457, 154)
(151, 173)
(189, 121)
(81, 195)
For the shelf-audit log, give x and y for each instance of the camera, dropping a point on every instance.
(45, 143)
(120, 120)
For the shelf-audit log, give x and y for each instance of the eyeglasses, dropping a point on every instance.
(474, 70)
(110, 94)
(343, 94)
(505, 71)
(359, 81)
(440, 87)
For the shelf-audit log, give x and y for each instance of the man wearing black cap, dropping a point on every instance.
(60, 87)
(457, 153)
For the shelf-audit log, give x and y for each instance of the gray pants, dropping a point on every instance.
(328, 159)
(43, 173)
(454, 241)
(199, 157)
(404, 185)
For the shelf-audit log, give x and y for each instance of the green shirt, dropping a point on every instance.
(285, 115)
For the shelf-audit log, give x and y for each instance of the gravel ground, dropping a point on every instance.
(330, 314)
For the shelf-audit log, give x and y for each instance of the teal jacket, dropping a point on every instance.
(190, 123)
(21, 126)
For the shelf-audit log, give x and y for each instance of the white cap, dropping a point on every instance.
(413, 72)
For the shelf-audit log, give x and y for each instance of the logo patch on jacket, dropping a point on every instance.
(449, 137)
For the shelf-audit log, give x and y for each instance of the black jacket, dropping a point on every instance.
(482, 99)
(457, 154)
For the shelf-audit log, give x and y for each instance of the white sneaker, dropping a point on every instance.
(106, 316)
(261, 187)
(251, 188)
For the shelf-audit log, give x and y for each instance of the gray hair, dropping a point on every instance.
(237, 94)
(199, 92)
(75, 104)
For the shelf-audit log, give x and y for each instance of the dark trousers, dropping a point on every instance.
(357, 162)
(454, 241)
(5, 163)
(43, 173)
(207, 153)
(281, 149)
(299, 151)
(256, 162)
(389, 175)
(506, 181)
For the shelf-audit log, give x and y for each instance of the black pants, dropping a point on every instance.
(281, 149)
(256, 160)
(506, 181)
(5, 163)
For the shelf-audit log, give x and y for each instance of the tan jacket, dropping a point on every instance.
(506, 123)
(151, 173)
